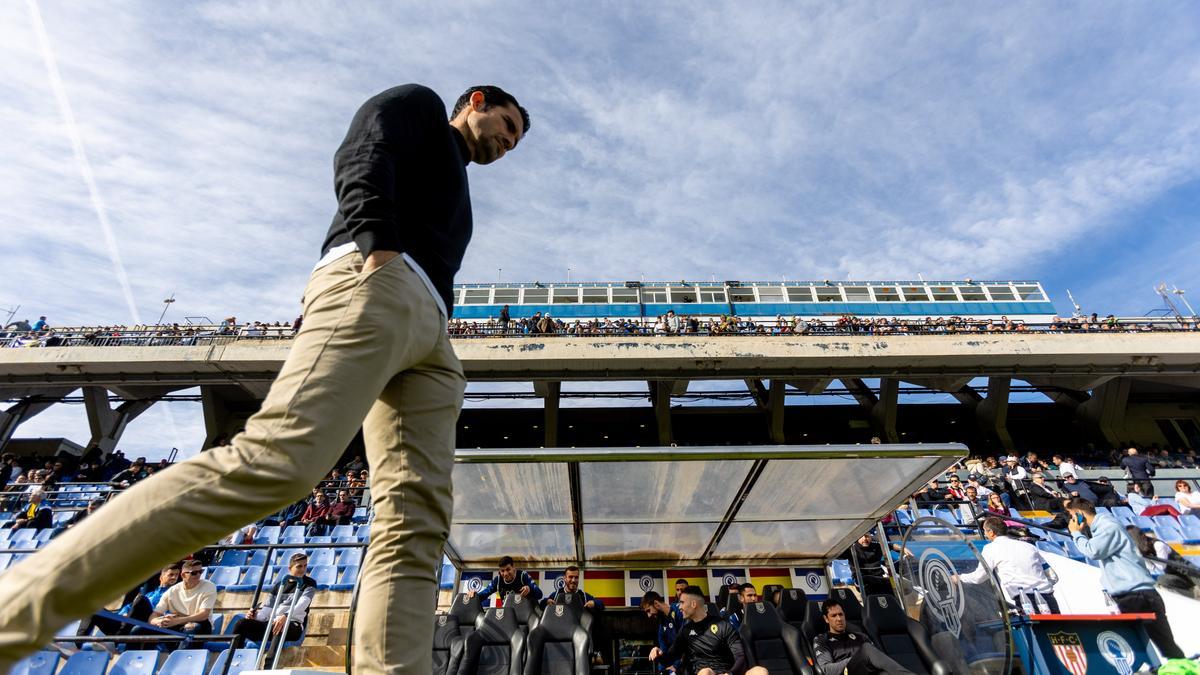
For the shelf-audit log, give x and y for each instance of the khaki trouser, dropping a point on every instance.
(373, 351)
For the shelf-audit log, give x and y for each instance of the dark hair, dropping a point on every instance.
(505, 561)
(995, 526)
(297, 557)
(694, 591)
(1081, 504)
(649, 598)
(1146, 488)
(492, 95)
(750, 586)
(572, 568)
(1144, 544)
(828, 605)
(681, 581)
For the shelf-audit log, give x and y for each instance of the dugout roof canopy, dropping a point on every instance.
(694, 506)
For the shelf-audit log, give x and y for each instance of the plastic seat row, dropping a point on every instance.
(241, 579)
(141, 662)
(316, 556)
(274, 534)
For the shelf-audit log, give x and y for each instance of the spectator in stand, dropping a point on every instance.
(357, 464)
(969, 512)
(243, 536)
(1065, 466)
(39, 325)
(1137, 467)
(1106, 494)
(136, 472)
(187, 606)
(295, 592)
(668, 619)
(510, 580)
(955, 491)
(708, 644)
(1122, 569)
(316, 515)
(1151, 547)
(1140, 496)
(36, 515)
(1044, 497)
(84, 513)
(1014, 473)
(869, 555)
(14, 468)
(973, 480)
(138, 605)
(341, 512)
(997, 508)
(1077, 488)
(839, 652)
(1186, 499)
(1019, 567)
(571, 585)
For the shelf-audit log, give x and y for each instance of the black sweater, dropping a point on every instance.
(401, 182)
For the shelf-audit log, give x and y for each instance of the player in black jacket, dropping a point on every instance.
(839, 651)
(707, 644)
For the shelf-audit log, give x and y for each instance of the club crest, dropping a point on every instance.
(1069, 650)
(943, 595)
(1117, 651)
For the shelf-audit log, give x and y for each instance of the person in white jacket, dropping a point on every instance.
(1019, 566)
(295, 591)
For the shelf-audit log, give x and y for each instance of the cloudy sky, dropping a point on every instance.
(192, 142)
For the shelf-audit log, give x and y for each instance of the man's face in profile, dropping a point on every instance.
(496, 129)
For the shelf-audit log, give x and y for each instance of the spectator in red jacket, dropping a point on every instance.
(315, 515)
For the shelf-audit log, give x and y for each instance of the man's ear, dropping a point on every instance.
(477, 103)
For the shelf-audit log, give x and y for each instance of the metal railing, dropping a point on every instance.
(156, 336)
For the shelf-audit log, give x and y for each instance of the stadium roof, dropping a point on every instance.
(680, 506)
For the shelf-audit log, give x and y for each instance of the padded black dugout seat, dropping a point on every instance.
(769, 591)
(558, 645)
(497, 647)
(468, 611)
(447, 645)
(900, 637)
(733, 603)
(850, 604)
(793, 603)
(573, 602)
(771, 643)
(526, 611)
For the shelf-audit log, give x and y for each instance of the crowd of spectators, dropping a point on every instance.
(40, 334)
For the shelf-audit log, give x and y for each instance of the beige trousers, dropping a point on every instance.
(373, 351)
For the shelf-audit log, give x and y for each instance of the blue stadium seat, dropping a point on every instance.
(294, 532)
(904, 517)
(1073, 551)
(5, 561)
(1143, 522)
(1167, 528)
(1051, 547)
(257, 557)
(1190, 532)
(185, 662)
(224, 577)
(267, 534)
(324, 575)
(227, 629)
(342, 531)
(139, 662)
(249, 580)
(41, 663)
(43, 536)
(1189, 519)
(350, 556)
(347, 580)
(234, 558)
(292, 539)
(337, 540)
(243, 661)
(321, 557)
(360, 515)
(218, 621)
(363, 532)
(61, 517)
(86, 663)
(842, 572)
(320, 539)
(24, 537)
(1124, 514)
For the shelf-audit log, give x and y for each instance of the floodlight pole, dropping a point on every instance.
(166, 304)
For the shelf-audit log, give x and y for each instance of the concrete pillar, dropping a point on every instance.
(775, 412)
(14, 415)
(1103, 415)
(108, 423)
(551, 393)
(992, 413)
(883, 412)
(660, 397)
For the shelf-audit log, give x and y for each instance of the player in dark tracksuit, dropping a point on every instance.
(708, 645)
(510, 580)
(839, 651)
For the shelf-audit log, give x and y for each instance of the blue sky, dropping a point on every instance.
(1056, 141)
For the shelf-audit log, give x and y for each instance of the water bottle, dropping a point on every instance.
(1039, 603)
(1049, 572)
(1110, 603)
(1023, 601)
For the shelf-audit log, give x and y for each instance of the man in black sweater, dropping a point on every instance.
(841, 652)
(371, 353)
(707, 644)
(1136, 466)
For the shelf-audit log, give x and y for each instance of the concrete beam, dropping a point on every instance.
(226, 409)
(949, 384)
(991, 414)
(28, 407)
(861, 392)
(108, 423)
(775, 410)
(758, 391)
(660, 397)
(810, 385)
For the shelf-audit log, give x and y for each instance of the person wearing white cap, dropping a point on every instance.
(1014, 472)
